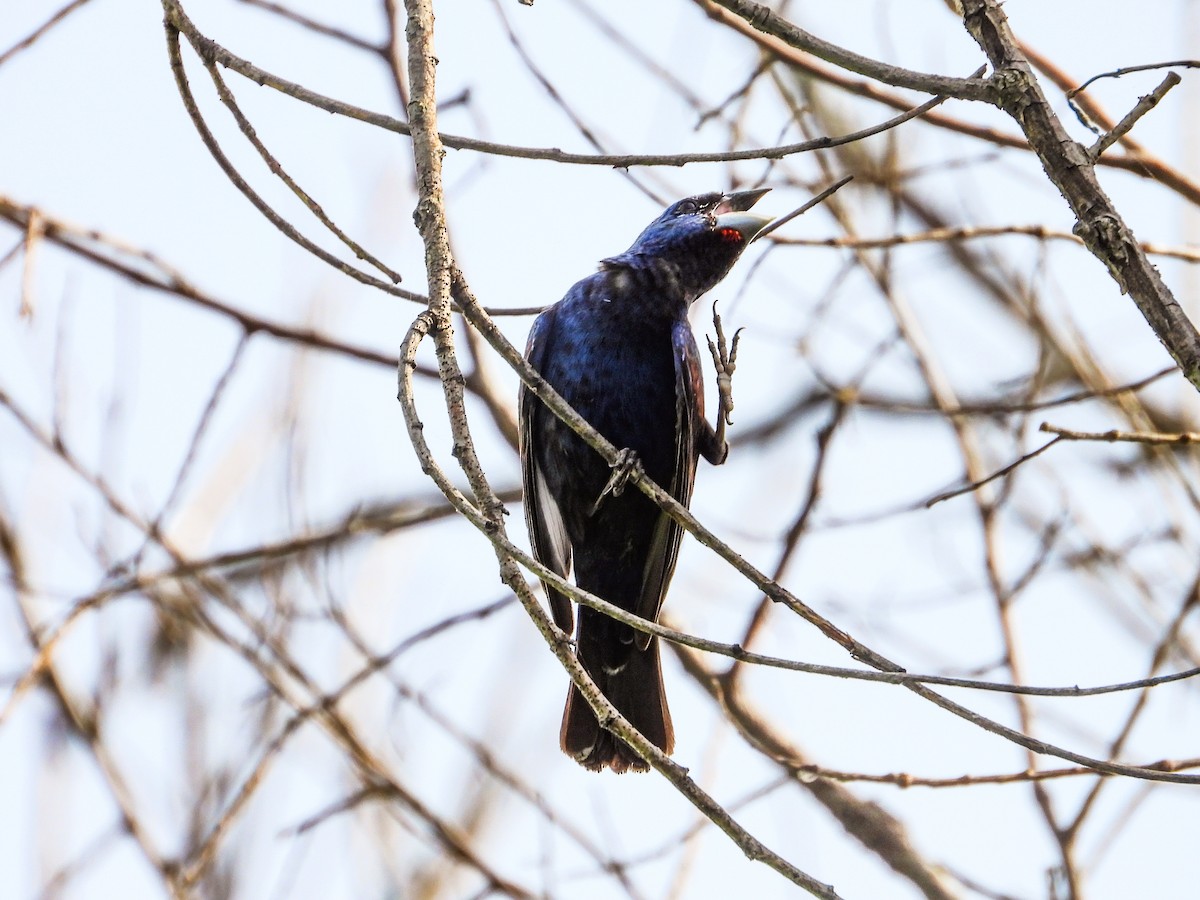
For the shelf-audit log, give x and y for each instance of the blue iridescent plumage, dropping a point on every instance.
(619, 349)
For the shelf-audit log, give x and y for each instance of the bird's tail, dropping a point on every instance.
(636, 690)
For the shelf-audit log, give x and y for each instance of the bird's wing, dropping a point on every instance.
(547, 532)
(689, 414)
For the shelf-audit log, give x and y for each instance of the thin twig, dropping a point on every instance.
(1128, 70)
(1000, 473)
(316, 27)
(29, 40)
(819, 198)
(972, 232)
(1114, 436)
(1144, 105)
(274, 165)
(175, 22)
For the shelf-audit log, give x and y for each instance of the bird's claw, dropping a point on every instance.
(627, 463)
(724, 356)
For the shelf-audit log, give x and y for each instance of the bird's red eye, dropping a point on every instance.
(731, 235)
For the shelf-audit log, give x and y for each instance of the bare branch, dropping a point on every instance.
(1116, 436)
(27, 42)
(1144, 105)
(764, 19)
(1068, 165)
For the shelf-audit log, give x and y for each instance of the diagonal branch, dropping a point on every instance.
(1071, 168)
(765, 20)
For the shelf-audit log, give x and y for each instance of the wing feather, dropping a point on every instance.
(547, 533)
(689, 412)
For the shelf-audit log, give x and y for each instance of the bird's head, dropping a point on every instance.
(698, 239)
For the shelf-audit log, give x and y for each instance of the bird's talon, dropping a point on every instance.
(733, 349)
(724, 354)
(627, 463)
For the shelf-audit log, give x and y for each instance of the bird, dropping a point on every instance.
(619, 349)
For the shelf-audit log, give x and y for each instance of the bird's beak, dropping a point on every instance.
(740, 201)
(731, 213)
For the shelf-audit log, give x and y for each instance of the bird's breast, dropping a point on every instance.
(623, 382)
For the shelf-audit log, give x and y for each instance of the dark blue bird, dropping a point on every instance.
(619, 349)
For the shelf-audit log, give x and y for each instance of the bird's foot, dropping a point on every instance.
(627, 463)
(724, 356)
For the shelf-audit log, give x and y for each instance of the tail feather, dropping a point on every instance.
(636, 690)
